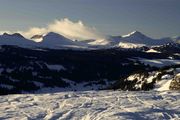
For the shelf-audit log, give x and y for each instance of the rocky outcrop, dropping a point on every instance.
(175, 84)
(160, 80)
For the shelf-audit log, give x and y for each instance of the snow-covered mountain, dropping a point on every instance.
(54, 40)
(50, 40)
(16, 39)
(134, 39)
(137, 39)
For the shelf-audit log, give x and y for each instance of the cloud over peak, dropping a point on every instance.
(72, 30)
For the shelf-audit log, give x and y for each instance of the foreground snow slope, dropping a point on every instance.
(92, 105)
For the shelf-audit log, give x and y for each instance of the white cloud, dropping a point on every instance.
(2, 32)
(73, 30)
(33, 31)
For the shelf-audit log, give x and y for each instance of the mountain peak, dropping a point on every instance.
(55, 39)
(5, 34)
(134, 33)
(54, 35)
(18, 35)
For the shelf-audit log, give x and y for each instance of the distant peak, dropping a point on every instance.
(6, 34)
(54, 35)
(14, 35)
(17, 35)
(134, 33)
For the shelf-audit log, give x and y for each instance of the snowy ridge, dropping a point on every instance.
(50, 40)
(134, 39)
(130, 45)
(56, 40)
(137, 39)
(130, 34)
(17, 40)
(152, 51)
(159, 62)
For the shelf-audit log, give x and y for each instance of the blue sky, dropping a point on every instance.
(156, 18)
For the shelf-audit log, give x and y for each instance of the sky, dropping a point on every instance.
(155, 18)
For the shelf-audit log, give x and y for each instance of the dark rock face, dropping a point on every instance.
(175, 84)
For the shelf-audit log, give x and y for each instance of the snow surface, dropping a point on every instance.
(56, 67)
(159, 62)
(100, 42)
(130, 34)
(152, 51)
(92, 105)
(130, 45)
(164, 83)
(73, 86)
(132, 77)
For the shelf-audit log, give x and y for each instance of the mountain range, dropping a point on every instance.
(134, 39)
(54, 61)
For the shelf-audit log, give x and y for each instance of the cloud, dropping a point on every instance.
(2, 32)
(33, 31)
(72, 30)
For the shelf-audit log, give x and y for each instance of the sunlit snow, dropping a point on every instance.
(92, 105)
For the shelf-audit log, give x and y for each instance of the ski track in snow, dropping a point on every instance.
(92, 105)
